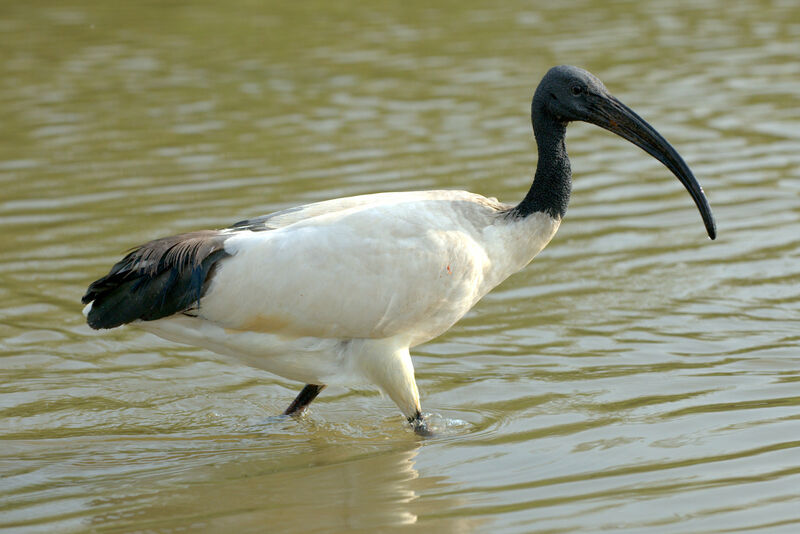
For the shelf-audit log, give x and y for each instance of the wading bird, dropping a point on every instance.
(337, 292)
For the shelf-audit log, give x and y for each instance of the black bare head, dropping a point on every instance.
(569, 93)
(564, 93)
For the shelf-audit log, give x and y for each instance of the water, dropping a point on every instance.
(636, 376)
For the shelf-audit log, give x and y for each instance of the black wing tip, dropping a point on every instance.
(158, 279)
(101, 317)
(98, 321)
(91, 292)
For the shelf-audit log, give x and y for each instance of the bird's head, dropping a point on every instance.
(568, 93)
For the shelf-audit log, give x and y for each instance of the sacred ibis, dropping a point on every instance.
(337, 292)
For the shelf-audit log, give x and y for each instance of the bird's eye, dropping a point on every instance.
(576, 90)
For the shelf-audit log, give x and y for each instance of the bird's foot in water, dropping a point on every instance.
(420, 426)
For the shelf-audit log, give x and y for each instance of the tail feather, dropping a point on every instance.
(155, 280)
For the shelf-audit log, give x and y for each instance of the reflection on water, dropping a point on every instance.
(312, 485)
(247, 481)
(636, 375)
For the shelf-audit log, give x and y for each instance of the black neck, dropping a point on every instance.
(552, 182)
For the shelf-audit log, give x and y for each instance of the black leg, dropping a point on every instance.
(420, 426)
(305, 397)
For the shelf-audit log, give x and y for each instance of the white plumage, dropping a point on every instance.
(337, 292)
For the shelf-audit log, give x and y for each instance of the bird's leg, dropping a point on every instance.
(308, 394)
(420, 426)
(393, 371)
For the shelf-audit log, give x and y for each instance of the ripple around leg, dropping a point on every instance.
(434, 425)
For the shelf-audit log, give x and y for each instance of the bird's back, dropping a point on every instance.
(364, 267)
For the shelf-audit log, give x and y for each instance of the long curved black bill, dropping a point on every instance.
(611, 114)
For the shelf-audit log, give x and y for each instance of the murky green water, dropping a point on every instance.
(635, 376)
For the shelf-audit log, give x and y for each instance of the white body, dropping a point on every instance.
(337, 292)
